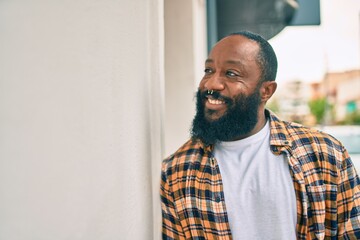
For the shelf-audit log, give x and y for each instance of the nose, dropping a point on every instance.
(214, 82)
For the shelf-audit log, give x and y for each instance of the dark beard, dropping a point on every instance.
(240, 118)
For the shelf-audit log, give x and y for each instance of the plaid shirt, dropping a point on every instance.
(325, 181)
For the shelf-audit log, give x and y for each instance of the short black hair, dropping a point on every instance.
(267, 59)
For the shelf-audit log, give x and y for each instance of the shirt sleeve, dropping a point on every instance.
(348, 200)
(171, 227)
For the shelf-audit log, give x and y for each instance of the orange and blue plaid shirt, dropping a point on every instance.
(326, 184)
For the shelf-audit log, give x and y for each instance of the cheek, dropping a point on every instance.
(236, 90)
(202, 84)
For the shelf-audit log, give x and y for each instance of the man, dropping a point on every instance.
(245, 174)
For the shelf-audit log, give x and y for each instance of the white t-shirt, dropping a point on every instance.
(258, 188)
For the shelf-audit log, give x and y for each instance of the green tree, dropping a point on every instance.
(318, 108)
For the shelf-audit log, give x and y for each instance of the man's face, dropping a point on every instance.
(233, 75)
(231, 69)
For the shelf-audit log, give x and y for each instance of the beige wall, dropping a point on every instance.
(185, 53)
(81, 96)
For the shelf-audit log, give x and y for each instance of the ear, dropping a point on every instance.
(267, 90)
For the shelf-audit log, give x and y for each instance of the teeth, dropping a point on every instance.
(215, 101)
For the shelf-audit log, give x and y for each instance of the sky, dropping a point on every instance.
(305, 53)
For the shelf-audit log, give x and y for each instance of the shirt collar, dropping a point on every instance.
(279, 135)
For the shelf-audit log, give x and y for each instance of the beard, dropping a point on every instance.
(239, 119)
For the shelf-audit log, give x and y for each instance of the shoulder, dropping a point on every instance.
(314, 150)
(306, 143)
(305, 136)
(299, 135)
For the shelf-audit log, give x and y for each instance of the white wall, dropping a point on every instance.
(80, 119)
(185, 53)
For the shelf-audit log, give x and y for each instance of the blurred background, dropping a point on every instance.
(321, 70)
(94, 94)
(320, 76)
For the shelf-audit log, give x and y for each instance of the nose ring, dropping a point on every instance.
(210, 92)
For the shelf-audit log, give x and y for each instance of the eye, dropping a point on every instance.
(208, 71)
(231, 74)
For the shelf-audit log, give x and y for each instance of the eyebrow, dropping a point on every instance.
(209, 61)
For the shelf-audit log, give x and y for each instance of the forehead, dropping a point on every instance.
(235, 48)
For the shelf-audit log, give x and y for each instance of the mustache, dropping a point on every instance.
(215, 95)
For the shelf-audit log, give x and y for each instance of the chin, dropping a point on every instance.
(212, 118)
(212, 115)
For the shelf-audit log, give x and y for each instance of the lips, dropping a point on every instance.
(215, 101)
(215, 104)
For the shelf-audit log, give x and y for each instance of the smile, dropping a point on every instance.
(215, 101)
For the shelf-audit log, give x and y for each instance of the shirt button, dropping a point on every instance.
(217, 199)
(212, 162)
(297, 169)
